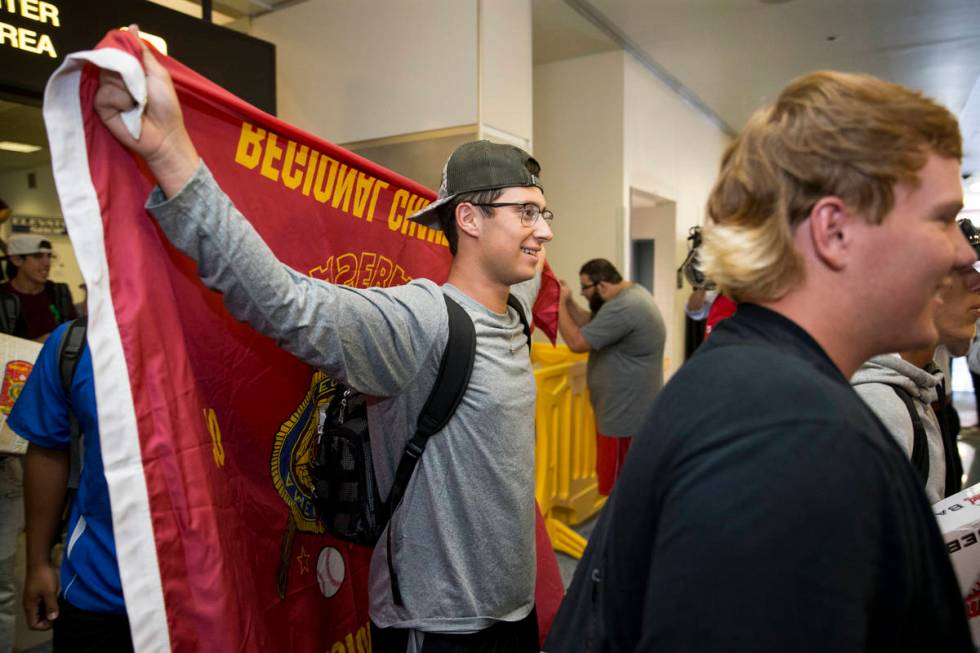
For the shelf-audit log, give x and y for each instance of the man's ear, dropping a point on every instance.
(830, 230)
(466, 221)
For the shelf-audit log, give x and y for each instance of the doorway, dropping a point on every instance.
(652, 245)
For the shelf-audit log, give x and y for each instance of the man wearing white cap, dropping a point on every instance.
(31, 306)
(463, 540)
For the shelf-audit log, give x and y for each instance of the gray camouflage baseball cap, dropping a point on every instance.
(480, 165)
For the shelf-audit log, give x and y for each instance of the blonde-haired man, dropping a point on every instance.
(764, 507)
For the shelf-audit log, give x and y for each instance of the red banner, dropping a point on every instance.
(207, 426)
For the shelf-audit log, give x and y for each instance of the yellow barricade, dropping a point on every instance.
(565, 478)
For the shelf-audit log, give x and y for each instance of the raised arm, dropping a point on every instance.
(571, 317)
(163, 141)
(375, 340)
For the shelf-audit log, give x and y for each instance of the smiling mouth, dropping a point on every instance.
(529, 251)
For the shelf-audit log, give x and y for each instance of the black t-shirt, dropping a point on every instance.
(40, 313)
(763, 507)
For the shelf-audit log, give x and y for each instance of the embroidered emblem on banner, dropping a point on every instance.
(292, 460)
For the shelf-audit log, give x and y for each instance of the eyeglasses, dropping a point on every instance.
(529, 212)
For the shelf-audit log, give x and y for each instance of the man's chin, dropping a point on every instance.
(957, 344)
(925, 336)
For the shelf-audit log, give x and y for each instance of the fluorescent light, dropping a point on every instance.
(18, 147)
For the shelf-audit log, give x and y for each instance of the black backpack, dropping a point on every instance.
(9, 312)
(345, 490)
(579, 625)
(920, 446)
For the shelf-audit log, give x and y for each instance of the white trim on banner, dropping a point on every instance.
(133, 527)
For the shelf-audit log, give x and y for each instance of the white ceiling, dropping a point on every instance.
(223, 12)
(735, 55)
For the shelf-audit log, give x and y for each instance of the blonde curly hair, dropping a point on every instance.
(828, 134)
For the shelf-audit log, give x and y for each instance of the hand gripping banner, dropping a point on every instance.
(207, 427)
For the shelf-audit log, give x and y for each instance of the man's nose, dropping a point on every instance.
(543, 230)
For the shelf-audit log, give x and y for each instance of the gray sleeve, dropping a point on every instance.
(375, 340)
(608, 326)
(883, 402)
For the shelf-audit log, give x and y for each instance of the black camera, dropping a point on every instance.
(972, 234)
(690, 269)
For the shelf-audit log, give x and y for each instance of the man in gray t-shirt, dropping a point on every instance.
(463, 538)
(624, 335)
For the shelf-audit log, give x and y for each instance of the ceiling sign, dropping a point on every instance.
(42, 17)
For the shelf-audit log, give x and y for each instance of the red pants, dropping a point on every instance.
(609, 458)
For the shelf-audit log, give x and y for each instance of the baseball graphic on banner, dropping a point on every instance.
(330, 570)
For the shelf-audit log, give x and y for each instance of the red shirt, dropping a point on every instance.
(721, 308)
(38, 313)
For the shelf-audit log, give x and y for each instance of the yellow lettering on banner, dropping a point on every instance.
(362, 194)
(433, 236)
(345, 185)
(395, 214)
(301, 168)
(322, 191)
(364, 639)
(324, 271)
(272, 154)
(345, 270)
(378, 187)
(382, 271)
(249, 151)
(365, 270)
(409, 226)
(338, 647)
(217, 449)
(398, 277)
(308, 180)
(350, 642)
(290, 178)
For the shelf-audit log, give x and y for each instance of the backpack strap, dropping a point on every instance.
(514, 303)
(61, 302)
(9, 312)
(949, 426)
(920, 447)
(455, 368)
(69, 352)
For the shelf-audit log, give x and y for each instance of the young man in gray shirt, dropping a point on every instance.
(624, 334)
(463, 539)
